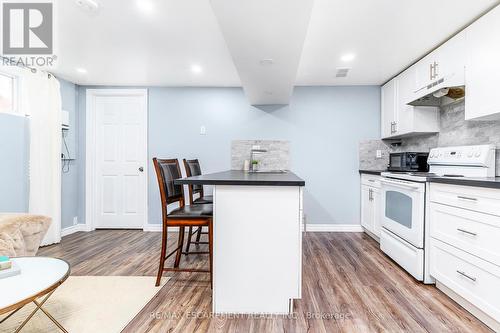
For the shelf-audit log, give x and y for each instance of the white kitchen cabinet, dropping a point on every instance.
(443, 67)
(389, 99)
(464, 249)
(370, 204)
(483, 68)
(400, 119)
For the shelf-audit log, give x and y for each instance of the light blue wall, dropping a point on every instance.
(14, 159)
(69, 191)
(323, 124)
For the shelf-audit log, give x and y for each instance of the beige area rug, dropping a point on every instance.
(90, 304)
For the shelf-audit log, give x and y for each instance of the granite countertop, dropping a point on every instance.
(491, 182)
(240, 177)
(372, 172)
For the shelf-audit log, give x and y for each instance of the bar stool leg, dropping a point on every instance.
(198, 234)
(190, 234)
(180, 244)
(162, 255)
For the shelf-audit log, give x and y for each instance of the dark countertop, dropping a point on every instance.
(240, 177)
(372, 172)
(493, 182)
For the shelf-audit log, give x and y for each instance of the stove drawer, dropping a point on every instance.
(406, 255)
(472, 232)
(484, 200)
(470, 277)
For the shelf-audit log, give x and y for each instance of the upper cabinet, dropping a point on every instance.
(444, 67)
(400, 119)
(389, 96)
(483, 68)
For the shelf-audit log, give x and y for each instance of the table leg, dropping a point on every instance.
(39, 307)
(50, 317)
(11, 314)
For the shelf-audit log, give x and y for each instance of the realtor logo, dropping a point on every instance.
(27, 28)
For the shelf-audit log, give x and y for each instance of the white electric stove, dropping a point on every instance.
(404, 200)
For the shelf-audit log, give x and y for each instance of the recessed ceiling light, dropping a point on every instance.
(81, 70)
(348, 57)
(145, 5)
(196, 69)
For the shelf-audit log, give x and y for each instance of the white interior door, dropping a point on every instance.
(119, 157)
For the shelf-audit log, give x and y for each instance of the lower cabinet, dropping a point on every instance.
(464, 246)
(370, 204)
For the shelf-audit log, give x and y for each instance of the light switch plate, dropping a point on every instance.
(203, 130)
(379, 153)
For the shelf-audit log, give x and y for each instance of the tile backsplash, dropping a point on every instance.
(276, 157)
(455, 131)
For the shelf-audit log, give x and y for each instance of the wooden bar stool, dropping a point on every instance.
(193, 168)
(199, 215)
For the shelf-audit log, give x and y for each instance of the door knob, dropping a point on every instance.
(141, 169)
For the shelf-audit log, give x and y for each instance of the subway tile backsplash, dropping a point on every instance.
(455, 131)
(277, 156)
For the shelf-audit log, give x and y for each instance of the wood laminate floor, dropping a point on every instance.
(349, 285)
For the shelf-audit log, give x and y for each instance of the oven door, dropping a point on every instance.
(403, 206)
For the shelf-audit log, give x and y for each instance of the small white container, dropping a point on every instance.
(246, 165)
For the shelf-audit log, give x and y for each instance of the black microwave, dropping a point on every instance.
(408, 161)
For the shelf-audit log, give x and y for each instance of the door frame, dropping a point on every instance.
(90, 152)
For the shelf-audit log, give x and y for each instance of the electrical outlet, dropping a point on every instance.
(379, 153)
(75, 220)
(256, 147)
(203, 130)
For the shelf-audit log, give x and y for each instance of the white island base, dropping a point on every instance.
(257, 265)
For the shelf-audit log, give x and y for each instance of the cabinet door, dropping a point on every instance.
(424, 72)
(404, 117)
(483, 67)
(450, 61)
(377, 210)
(366, 208)
(388, 112)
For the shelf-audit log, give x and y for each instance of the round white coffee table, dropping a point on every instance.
(40, 276)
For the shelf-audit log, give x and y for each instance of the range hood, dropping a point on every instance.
(440, 92)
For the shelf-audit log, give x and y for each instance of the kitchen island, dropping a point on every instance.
(257, 239)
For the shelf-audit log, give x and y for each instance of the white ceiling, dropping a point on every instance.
(122, 45)
(386, 36)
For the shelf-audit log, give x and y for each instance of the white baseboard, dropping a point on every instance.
(333, 228)
(74, 228)
(152, 227)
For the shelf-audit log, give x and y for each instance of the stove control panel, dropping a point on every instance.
(478, 156)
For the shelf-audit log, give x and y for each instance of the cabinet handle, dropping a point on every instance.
(393, 127)
(467, 232)
(431, 68)
(371, 180)
(370, 194)
(467, 276)
(466, 198)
